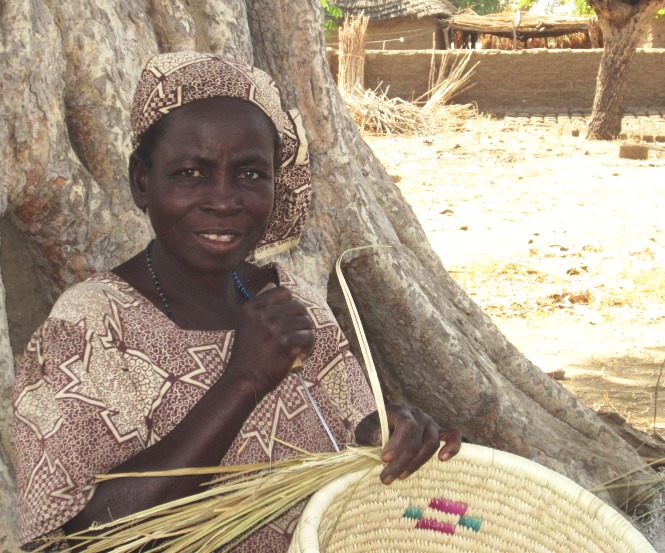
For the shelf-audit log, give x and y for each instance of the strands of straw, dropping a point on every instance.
(374, 112)
(453, 78)
(362, 339)
(352, 34)
(243, 499)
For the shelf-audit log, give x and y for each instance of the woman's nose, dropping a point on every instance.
(222, 194)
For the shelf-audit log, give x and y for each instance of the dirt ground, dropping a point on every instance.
(560, 241)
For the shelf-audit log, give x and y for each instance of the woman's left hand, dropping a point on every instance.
(414, 438)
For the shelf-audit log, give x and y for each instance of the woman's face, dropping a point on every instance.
(209, 185)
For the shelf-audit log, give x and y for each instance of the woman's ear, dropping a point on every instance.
(137, 175)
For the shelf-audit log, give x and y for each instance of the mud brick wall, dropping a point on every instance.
(523, 80)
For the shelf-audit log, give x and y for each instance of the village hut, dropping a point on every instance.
(402, 24)
(520, 27)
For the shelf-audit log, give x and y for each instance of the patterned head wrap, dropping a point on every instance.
(170, 81)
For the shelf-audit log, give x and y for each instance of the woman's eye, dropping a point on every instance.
(191, 173)
(249, 174)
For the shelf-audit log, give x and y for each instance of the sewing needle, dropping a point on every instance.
(297, 370)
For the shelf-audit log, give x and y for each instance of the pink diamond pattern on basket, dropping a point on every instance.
(431, 524)
(442, 505)
(447, 506)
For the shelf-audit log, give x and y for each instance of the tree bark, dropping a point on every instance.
(622, 24)
(68, 70)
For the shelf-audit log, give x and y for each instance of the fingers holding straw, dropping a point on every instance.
(415, 438)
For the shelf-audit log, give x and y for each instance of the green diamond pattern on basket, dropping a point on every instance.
(442, 505)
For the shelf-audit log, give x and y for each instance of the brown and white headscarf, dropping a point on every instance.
(169, 81)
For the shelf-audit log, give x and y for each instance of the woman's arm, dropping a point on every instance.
(414, 438)
(201, 439)
(273, 330)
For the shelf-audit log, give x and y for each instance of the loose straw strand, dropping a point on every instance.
(364, 345)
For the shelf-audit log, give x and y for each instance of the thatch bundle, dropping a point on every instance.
(374, 112)
(352, 35)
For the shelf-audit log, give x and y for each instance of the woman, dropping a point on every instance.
(182, 356)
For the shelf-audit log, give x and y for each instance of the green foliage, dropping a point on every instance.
(484, 7)
(526, 4)
(333, 15)
(582, 8)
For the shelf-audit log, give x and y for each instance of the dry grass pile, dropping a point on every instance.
(376, 113)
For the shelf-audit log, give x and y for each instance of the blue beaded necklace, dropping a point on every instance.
(160, 291)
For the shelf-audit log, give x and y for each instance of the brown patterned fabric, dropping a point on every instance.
(170, 81)
(108, 374)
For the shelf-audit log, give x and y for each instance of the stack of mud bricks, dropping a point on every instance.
(645, 125)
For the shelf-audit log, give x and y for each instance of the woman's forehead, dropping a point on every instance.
(218, 120)
(220, 109)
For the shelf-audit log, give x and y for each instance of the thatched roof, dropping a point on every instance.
(527, 25)
(382, 10)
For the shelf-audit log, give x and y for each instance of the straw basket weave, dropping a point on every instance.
(482, 500)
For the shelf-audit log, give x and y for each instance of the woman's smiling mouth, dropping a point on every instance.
(218, 237)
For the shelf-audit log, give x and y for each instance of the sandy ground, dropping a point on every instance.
(560, 241)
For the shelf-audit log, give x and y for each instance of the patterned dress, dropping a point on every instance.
(108, 374)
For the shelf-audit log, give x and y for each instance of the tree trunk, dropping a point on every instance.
(622, 24)
(68, 69)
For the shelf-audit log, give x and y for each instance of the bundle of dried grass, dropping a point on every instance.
(453, 78)
(244, 499)
(352, 35)
(374, 112)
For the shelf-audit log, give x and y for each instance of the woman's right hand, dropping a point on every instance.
(273, 331)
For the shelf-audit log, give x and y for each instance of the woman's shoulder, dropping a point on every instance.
(93, 297)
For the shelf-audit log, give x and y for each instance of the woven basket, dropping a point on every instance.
(483, 500)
